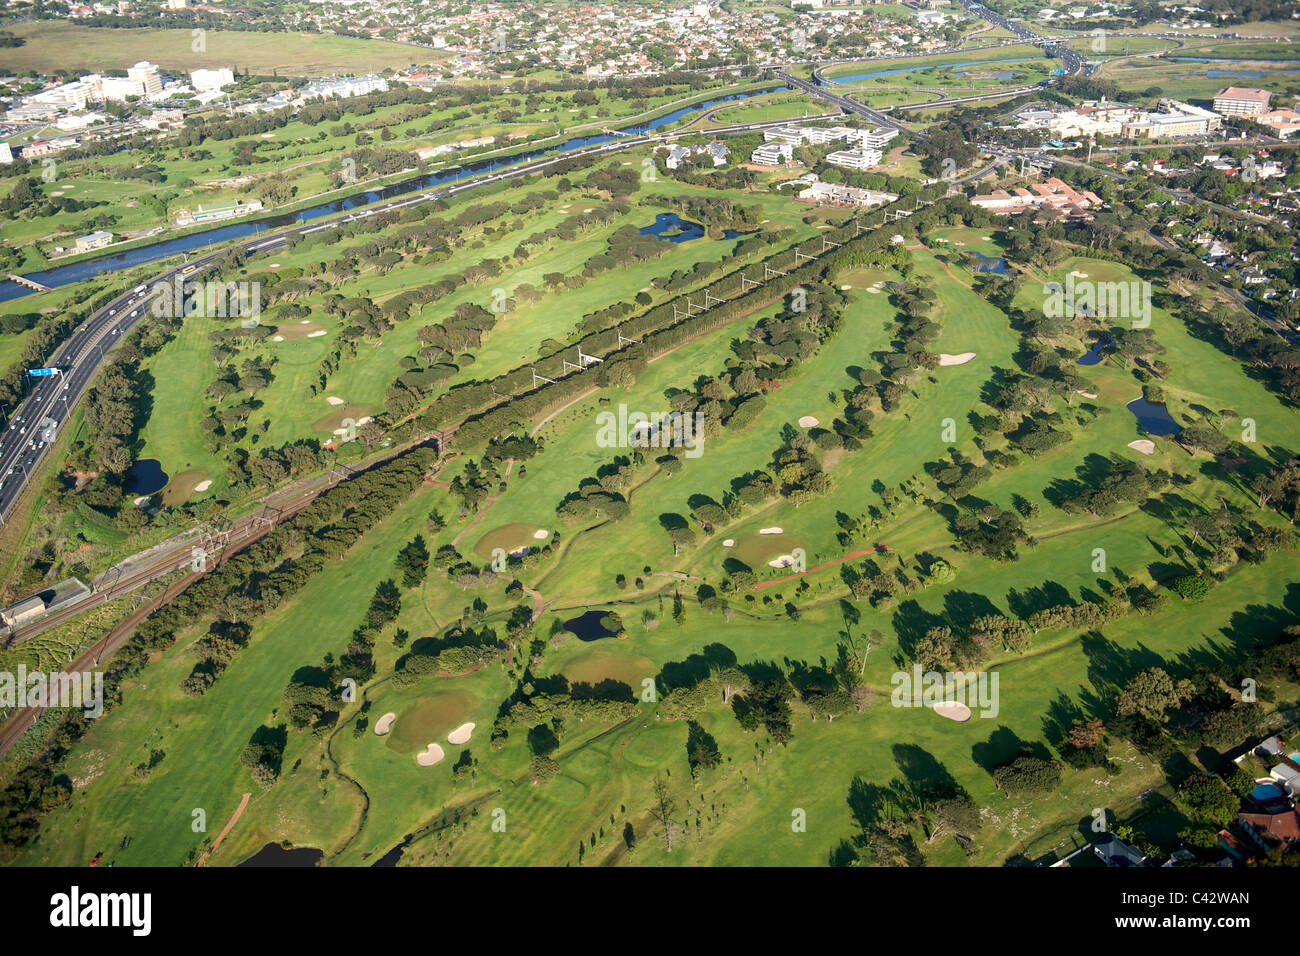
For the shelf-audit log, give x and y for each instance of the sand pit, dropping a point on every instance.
(433, 754)
(317, 334)
(1087, 394)
(772, 530)
(781, 561)
(277, 338)
(541, 534)
(203, 485)
(808, 422)
(953, 711)
(873, 291)
(383, 723)
(140, 501)
(1144, 445)
(305, 322)
(962, 359)
(846, 287)
(335, 400)
(1079, 275)
(461, 734)
(729, 542)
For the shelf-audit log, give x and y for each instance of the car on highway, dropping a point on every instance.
(140, 288)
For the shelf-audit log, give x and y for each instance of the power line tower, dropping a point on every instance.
(623, 338)
(541, 378)
(768, 271)
(744, 279)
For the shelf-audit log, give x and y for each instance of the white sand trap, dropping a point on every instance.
(335, 400)
(784, 561)
(203, 485)
(317, 334)
(340, 432)
(845, 288)
(540, 534)
(1079, 275)
(953, 711)
(1145, 445)
(461, 734)
(729, 542)
(432, 755)
(274, 265)
(141, 500)
(874, 291)
(363, 419)
(773, 530)
(277, 338)
(958, 242)
(962, 359)
(1087, 394)
(383, 724)
(808, 422)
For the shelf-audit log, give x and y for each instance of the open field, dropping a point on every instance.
(55, 46)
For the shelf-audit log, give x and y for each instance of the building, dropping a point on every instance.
(1113, 851)
(1283, 122)
(6, 154)
(205, 80)
(845, 195)
(1051, 194)
(346, 87)
(209, 212)
(772, 154)
(96, 240)
(877, 138)
(784, 134)
(676, 154)
(854, 158)
(146, 74)
(25, 610)
(1241, 101)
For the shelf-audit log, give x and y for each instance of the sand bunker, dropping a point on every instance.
(141, 500)
(1079, 275)
(1145, 445)
(781, 561)
(383, 723)
(433, 754)
(773, 530)
(540, 534)
(317, 334)
(808, 422)
(277, 338)
(203, 485)
(729, 542)
(1087, 394)
(874, 291)
(305, 322)
(962, 359)
(461, 734)
(335, 400)
(846, 287)
(953, 710)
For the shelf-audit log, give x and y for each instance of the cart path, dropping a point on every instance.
(222, 835)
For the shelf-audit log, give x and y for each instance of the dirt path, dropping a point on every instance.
(852, 555)
(222, 835)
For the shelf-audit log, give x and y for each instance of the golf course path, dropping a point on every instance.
(222, 835)
(829, 564)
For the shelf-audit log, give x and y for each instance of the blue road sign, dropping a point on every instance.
(39, 372)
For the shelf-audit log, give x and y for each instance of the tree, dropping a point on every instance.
(662, 810)
(1151, 693)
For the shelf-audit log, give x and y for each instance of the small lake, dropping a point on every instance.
(147, 477)
(273, 854)
(1153, 419)
(587, 627)
(1095, 354)
(670, 227)
(991, 264)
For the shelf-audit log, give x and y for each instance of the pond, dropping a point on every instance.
(588, 626)
(147, 477)
(670, 227)
(1153, 419)
(995, 264)
(1095, 354)
(273, 854)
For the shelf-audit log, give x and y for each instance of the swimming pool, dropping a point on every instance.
(1266, 790)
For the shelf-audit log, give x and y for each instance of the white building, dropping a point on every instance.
(346, 87)
(848, 195)
(877, 138)
(6, 154)
(772, 154)
(855, 158)
(1241, 101)
(204, 80)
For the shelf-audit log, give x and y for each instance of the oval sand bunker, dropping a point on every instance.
(461, 734)
(808, 422)
(962, 359)
(953, 710)
(433, 754)
(383, 723)
(1144, 445)
(773, 530)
